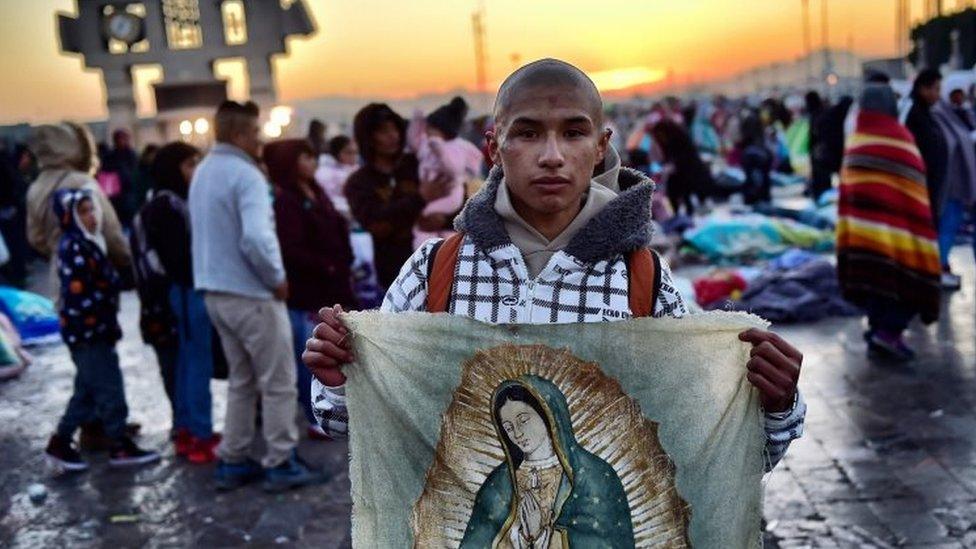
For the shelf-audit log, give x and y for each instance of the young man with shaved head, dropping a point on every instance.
(550, 239)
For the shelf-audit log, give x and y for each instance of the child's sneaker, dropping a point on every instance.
(61, 454)
(228, 476)
(125, 453)
(203, 450)
(94, 439)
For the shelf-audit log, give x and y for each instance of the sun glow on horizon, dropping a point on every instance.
(626, 77)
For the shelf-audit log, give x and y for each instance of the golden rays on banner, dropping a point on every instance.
(541, 449)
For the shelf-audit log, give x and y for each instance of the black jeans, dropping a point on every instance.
(168, 356)
(888, 316)
(99, 394)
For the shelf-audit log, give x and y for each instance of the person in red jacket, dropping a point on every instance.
(314, 240)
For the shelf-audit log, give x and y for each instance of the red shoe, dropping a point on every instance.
(182, 442)
(203, 450)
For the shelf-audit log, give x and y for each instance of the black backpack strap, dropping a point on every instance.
(432, 256)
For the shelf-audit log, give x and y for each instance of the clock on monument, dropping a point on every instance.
(124, 27)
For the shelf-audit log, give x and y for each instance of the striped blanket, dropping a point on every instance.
(886, 240)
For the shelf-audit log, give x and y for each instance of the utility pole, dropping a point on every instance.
(480, 53)
(902, 24)
(825, 37)
(806, 38)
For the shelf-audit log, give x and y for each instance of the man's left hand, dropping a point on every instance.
(774, 369)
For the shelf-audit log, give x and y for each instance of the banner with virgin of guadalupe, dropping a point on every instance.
(641, 433)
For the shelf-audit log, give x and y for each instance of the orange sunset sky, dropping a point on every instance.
(396, 48)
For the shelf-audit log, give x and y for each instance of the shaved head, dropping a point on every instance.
(547, 74)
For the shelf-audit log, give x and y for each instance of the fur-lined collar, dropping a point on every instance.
(622, 226)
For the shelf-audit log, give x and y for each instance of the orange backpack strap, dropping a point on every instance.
(644, 276)
(440, 272)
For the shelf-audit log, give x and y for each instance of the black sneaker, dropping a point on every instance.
(62, 455)
(94, 439)
(126, 453)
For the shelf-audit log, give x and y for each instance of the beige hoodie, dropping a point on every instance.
(63, 151)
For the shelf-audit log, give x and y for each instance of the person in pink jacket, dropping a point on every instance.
(441, 152)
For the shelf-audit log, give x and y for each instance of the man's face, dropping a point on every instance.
(249, 138)
(386, 139)
(548, 141)
(931, 93)
(122, 140)
(957, 97)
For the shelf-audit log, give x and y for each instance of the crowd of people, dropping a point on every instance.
(242, 254)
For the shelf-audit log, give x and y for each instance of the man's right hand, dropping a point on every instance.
(281, 292)
(329, 348)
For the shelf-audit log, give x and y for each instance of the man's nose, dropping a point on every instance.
(552, 155)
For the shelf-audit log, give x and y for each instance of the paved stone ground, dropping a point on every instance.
(888, 458)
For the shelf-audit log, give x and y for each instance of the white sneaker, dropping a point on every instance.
(951, 282)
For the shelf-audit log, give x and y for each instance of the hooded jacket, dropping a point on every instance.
(385, 204)
(584, 281)
(66, 161)
(89, 283)
(314, 237)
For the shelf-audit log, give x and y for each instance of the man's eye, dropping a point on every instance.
(574, 133)
(527, 134)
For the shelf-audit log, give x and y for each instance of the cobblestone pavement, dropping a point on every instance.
(888, 458)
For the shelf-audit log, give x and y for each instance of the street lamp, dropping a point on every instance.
(271, 129)
(201, 126)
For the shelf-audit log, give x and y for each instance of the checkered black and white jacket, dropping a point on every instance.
(585, 282)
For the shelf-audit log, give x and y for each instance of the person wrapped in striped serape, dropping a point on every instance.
(887, 256)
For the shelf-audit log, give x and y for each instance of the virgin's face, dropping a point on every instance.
(523, 425)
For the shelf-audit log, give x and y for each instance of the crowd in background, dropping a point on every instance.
(208, 238)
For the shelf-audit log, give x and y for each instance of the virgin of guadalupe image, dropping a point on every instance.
(550, 492)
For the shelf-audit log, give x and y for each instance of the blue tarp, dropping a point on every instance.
(33, 315)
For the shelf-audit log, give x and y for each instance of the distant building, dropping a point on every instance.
(185, 38)
(830, 71)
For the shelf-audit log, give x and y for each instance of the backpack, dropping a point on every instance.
(643, 275)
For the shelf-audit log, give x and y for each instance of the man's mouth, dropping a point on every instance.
(551, 184)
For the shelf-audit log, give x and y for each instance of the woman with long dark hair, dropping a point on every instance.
(315, 247)
(174, 319)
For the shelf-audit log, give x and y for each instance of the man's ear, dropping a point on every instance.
(603, 144)
(493, 145)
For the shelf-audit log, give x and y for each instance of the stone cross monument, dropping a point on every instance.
(184, 37)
